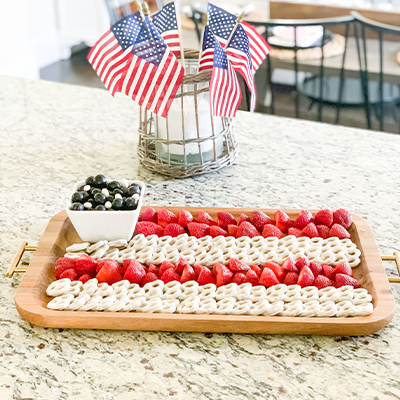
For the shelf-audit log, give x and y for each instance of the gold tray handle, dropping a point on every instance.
(396, 258)
(14, 265)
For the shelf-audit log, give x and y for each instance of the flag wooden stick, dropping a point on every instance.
(139, 6)
(238, 21)
(205, 23)
(179, 26)
(145, 8)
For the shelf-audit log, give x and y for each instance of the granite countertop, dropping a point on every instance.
(54, 134)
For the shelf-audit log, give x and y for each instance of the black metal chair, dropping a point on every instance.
(378, 95)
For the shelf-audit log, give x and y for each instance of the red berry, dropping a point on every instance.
(166, 217)
(223, 275)
(127, 263)
(328, 271)
(239, 278)
(346, 280)
(181, 265)
(290, 265)
(343, 268)
(316, 268)
(84, 278)
(342, 217)
(304, 218)
(323, 231)
(150, 215)
(236, 265)
(310, 230)
(170, 275)
(188, 274)
(86, 265)
(302, 262)
(134, 273)
(153, 269)
(63, 264)
(277, 269)
(295, 232)
(261, 219)
(282, 221)
(149, 277)
(306, 277)
(197, 269)
(109, 273)
(225, 219)
(217, 231)
(324, 217)
(338, 231)
(268, 278)
(252, 277)
(149, 228)
(184, 218)
(256, 269)
(165, 265)
(205, 218)
(247, 229)
(322, 282)
(232, 230)
(243, 217)
(173, 230)
(272, 230)
(198, 230)
(69, 273)
(205, 277)
(291, 278)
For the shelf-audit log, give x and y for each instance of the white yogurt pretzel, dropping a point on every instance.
(208, 291)
(74, 256)
(90, 304)
(189, 306)
(361, 297)
(103, 290)
(134, 291)
(192, 243)
(189, 284)
(78, 302)
(153, 289)
(120, 292)
(120, 243)
(117, 305)
(206, 306)
(153, 304)
(259, 308)
(134, 303)
(275, 308)
(328, 294)
(363, 309)
(345, 309)
(188, 292)
(345, 293)
(328, 309)
(104, 303)
(90, 286)
(110, 254)
(258, 293)
(96, 246)
(276, 293)
(61, 302)
(241, 307)
(77, 247)
(75, 288)
(225, 306)
(144, 256)
(293, 293)
(292, 309)
(58, 288)
(309, 293)
(172, 293)
(310, 309)
(243, 291)
(229, 290)
(169, 306)
(137, 242)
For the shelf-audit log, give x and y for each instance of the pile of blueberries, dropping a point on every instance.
(100, 195)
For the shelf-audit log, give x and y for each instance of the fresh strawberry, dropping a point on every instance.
(185, 218)
(84, 278)
(239, 278)
(166, 217)
(322, 282)
(290, 265)
(310, 230)
(291, 278)
(304, 218)
(205, 218)
(277, 269)
(316, 268)
(247, 229)
(342, 217)
(225, 219)
(302, 262)
(174, 230)
(272, 230)
(261, 219)
(217, 231)
(127, 263)
(188, 274)
(223, 275)
(282, 221)
(343, 268)
(338, 231)
(243, 217)
(198, 230)
(197, 269)
(149, 277)
(256, 269)
(170, 275)
(323, 231)
(150, 215)
(232, 230)
(346, 280)
(165, 265)
(149, 228)
(63, 264)
(181, 265)
(236, 265)
(109, 273)
(295, 232)
(306, 277)
(69, 273)
(252, 277)
(134, 273)
(324, 217)
(153, 269)
(268, 278)
(328, 271)
(205, 277)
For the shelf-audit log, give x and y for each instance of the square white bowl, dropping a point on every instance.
(93, 226)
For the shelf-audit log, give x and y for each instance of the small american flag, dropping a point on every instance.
(225, 92)
(165, 22)
(222, 23)
(207, 51)
(112, 51)
(154, 74)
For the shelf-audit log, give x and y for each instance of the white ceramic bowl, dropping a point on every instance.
(93, 226)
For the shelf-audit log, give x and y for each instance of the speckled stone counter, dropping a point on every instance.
(53, 134)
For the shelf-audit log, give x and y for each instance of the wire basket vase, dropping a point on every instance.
(190, 141)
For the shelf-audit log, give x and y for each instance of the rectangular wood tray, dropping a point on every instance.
(31, 298)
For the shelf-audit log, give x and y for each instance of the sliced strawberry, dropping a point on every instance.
(243, 217)
(205, 218)
(150, 215)
(165, 265)
(153, 269)
(261, 219)
(198, 230)
(291, 278)
(310, 230)
(149, 277)
(277, 269)
(282, 221)
(342, 217)
(236, 265)
(247, 229)
(306, 277)
(174, 230)
(346, 280)
(324, 217)
(252, 277)
(256, 269)
(328, 271)
(343, 268)
(181, 265)
(225, 219)
(302, 262)
(295, 232)
(197, 269)
(205, 277)
(268, 278)
(217, 231)
(323, 231)
(322, 282)
(223, 275)
(134, 273)
(188, 274)
(304, 218)
(149, 228)
(338, 231)
(63, 264)
(170, 275)
(239, 278)
(232, 230)
(127, 263)
(184, 218)
(70, 274)
(84, 278)
(109, 273)
(166, 217)
(316, 268)
(272, 230)
(290, 265)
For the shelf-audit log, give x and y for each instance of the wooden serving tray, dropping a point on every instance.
(31, 298)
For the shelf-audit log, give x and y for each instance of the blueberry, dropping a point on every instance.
(130, 204)
(113, 185)
(110, 198)
(99, 198)
(86, 196)
(100, 181)
(117, 191)
(81, 188)
(77, 207)
(133, 189)
(117, 204)
(77, 197)
(91, 201)
(100, 208)
(93, 191)
(90, 181)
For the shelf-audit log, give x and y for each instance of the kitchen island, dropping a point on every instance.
(53, 135)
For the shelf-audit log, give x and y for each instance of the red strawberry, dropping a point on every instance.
(268, 278)
(323, 231)
(243, 217)
(316, 268)
(181, 265)
(261, 219)
(225, 219)
(304, 218)
(342, 217)
(149, 228)
(188, 274)
(324, 217)
(328, 271)
(198, 230)
(295, 232)
(223, 275)
(343, 268)
(197, 269)
(166, 217)
(64, 264)
(236, 265)
(173, 230)
(247, 229)
(282, 221)
(150, 215)
(271, 230)
(322, 282)
(302, 262)
(277, 269)
(256, 269)
(339, 231)
(310, 230)
(205, 277)
(217, 231)
(134, 273)
(239, 278)
(109, 273)
(170, 275)
(184, 218)
(290, 265)
(291, 278)
(127, 263)
(149, 277)
(69, 273)
(165, 265)
(252, 277)
(153, 269)
(306, 277)
(84, 278)
(205, 218)
(232, 230)
(346, 280)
